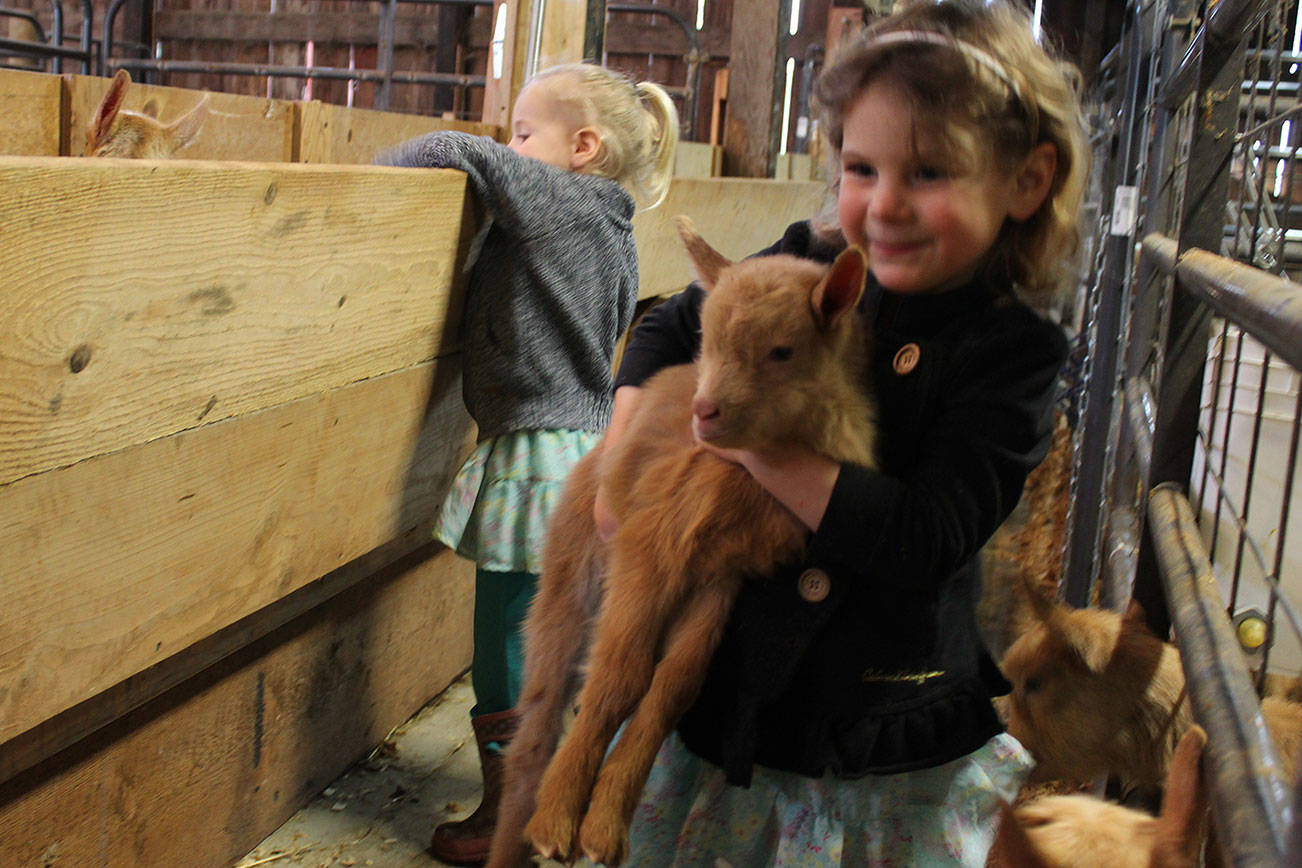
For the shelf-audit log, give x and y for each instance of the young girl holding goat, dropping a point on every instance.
(552, 289)
(846, 717)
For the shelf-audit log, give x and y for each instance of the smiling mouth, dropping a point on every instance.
(895, 248)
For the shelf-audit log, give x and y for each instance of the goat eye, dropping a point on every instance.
(781, 354)
(1032, 684)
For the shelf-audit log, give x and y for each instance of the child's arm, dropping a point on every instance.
(520, 193)
(992, 426)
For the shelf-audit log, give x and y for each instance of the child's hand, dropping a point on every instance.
(745, 457)
(799, 478)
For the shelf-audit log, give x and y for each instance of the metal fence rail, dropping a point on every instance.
(1191, 383)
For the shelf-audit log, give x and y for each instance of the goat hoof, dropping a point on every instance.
(604, 840)
(552, 834)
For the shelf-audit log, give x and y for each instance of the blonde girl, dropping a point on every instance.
(847, 715)
(552, 288)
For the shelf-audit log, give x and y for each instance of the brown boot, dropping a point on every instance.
(466, 842)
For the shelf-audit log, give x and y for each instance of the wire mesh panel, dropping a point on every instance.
(1192, 344)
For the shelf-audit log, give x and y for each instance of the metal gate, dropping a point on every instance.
(1189, 406)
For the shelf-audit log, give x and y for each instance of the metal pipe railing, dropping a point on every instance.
(692, 57)
(1251, 799)
(29, 17)
(51, 45)
(385, 74)
(1267, 306)
(276, 71)
(1225, 26)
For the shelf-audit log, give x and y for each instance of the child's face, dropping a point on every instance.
(926, 222)
(538, 130)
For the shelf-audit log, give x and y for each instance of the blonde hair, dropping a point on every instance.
(637, 126)
(987, 91)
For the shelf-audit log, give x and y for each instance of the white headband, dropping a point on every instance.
(971, 51)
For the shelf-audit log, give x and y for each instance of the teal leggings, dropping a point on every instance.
(497, 671)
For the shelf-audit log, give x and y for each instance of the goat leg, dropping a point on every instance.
(603, 836)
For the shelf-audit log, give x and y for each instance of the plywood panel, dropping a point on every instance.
(238, 127)
(200, 775)
(335, 134)
(698, 160)
(144, 299)
(117, 562)
(738, 216)
(29, 106)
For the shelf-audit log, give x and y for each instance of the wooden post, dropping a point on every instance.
(750, 126)
(508, 35)
(572, 30)
(566, 31)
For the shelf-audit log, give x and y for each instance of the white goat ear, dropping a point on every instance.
(186, 127)
(840, 290)
(707, 261)
(107, 110)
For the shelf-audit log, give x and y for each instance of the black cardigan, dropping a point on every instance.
(888, 672)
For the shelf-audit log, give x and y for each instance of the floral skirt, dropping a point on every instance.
(948, 815)
(497, 510)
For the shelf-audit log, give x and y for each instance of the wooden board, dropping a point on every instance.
(144, 299)
(119, 561)
(698, 160)
(738, 216)
(29, 104)
(199, 776)
(336, 134)
(238, 127)
(794, 167)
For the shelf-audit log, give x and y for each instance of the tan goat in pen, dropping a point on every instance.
(115, 132)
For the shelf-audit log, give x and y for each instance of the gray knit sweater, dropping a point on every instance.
(551, 291)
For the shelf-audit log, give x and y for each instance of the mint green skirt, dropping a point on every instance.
(690, 816)
(497, 510)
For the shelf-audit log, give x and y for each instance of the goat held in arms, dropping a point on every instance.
(783, 359)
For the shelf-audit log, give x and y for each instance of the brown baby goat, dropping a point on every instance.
(1079, 831)
(783, 359)
(1095, 693)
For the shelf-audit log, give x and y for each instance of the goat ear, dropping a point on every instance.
(707, 261)
(1043, 608)
(1136, 618)
(1184, 803)
(107, 110)
(186, 127)
(840, 290)
(1078, 638)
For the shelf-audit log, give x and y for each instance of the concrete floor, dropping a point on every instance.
(382, 811)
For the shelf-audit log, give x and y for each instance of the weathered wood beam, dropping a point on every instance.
(754, 95)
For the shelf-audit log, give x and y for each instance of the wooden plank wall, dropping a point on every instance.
(48, 116)
(737, 216)
(30, 106)
(147, 531)
(229, 407)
